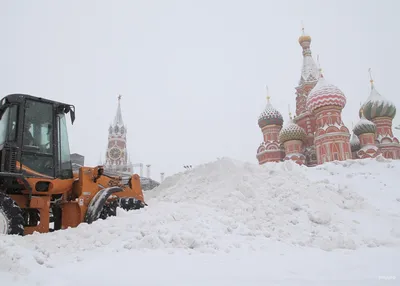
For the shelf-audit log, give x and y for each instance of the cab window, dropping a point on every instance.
(38, 124)
(37, 138)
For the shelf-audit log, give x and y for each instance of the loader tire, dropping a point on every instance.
(11, 219)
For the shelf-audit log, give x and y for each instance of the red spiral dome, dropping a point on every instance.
(325, 94)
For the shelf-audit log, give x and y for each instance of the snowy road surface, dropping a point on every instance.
(281, 264)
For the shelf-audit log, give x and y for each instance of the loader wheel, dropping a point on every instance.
(109, 209)
(11, 219)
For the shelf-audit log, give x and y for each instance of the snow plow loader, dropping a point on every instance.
(39, 192)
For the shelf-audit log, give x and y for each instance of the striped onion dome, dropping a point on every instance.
(364, 126)
(355, 143)
(377, 106)
(270, 116)
(292, 131)
(325, 94)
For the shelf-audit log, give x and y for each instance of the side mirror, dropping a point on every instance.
(67, 109)
(72, 112)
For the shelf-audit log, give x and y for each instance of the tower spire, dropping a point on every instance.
(370, 78)
(117, 153)
(309, 71)
(118, 116)
(319, 67)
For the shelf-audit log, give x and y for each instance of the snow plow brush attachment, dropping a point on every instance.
(129, 204)
(100, 208)
(96, 204)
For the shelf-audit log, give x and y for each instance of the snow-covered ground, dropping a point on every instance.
(232, 223)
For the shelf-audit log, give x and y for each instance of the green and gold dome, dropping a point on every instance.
(377, 106)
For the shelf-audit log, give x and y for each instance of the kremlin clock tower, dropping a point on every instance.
(117, 154)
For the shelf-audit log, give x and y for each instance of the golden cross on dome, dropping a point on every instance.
(302, 27)
(268, 97)
(319, 65)
(370, 78)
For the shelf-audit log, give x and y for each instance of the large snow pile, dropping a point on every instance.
(232, 207)
(229, 204)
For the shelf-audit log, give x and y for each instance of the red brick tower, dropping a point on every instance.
(308, 79)
(332, 138)
(381, 112)
(117, 154)
(292, 136)
(270, 121)
(365, 130)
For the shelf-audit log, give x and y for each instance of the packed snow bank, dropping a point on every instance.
(337, 205)
(232, 207)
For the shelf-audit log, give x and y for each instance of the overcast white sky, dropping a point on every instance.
(192, 73)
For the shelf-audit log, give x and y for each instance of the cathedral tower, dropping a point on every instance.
(365, 131)
(270, 122)
(292, 136)
(117, 154)
(381, 112)
(308, 79)
(332, 138)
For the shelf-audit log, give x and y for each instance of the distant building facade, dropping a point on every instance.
(77, 161)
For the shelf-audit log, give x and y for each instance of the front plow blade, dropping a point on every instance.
(97, 203)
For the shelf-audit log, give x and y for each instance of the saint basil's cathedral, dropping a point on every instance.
(317, 134)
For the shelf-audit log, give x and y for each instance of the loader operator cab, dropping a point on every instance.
(34, 138)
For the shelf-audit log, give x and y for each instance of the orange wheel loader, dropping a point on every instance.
(38, 189)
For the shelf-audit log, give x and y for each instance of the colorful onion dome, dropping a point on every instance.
(292, 131)
(377, 106)
(355, 144)
(364, 126)
(325, 94)
(270, 116)
(304, 38)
